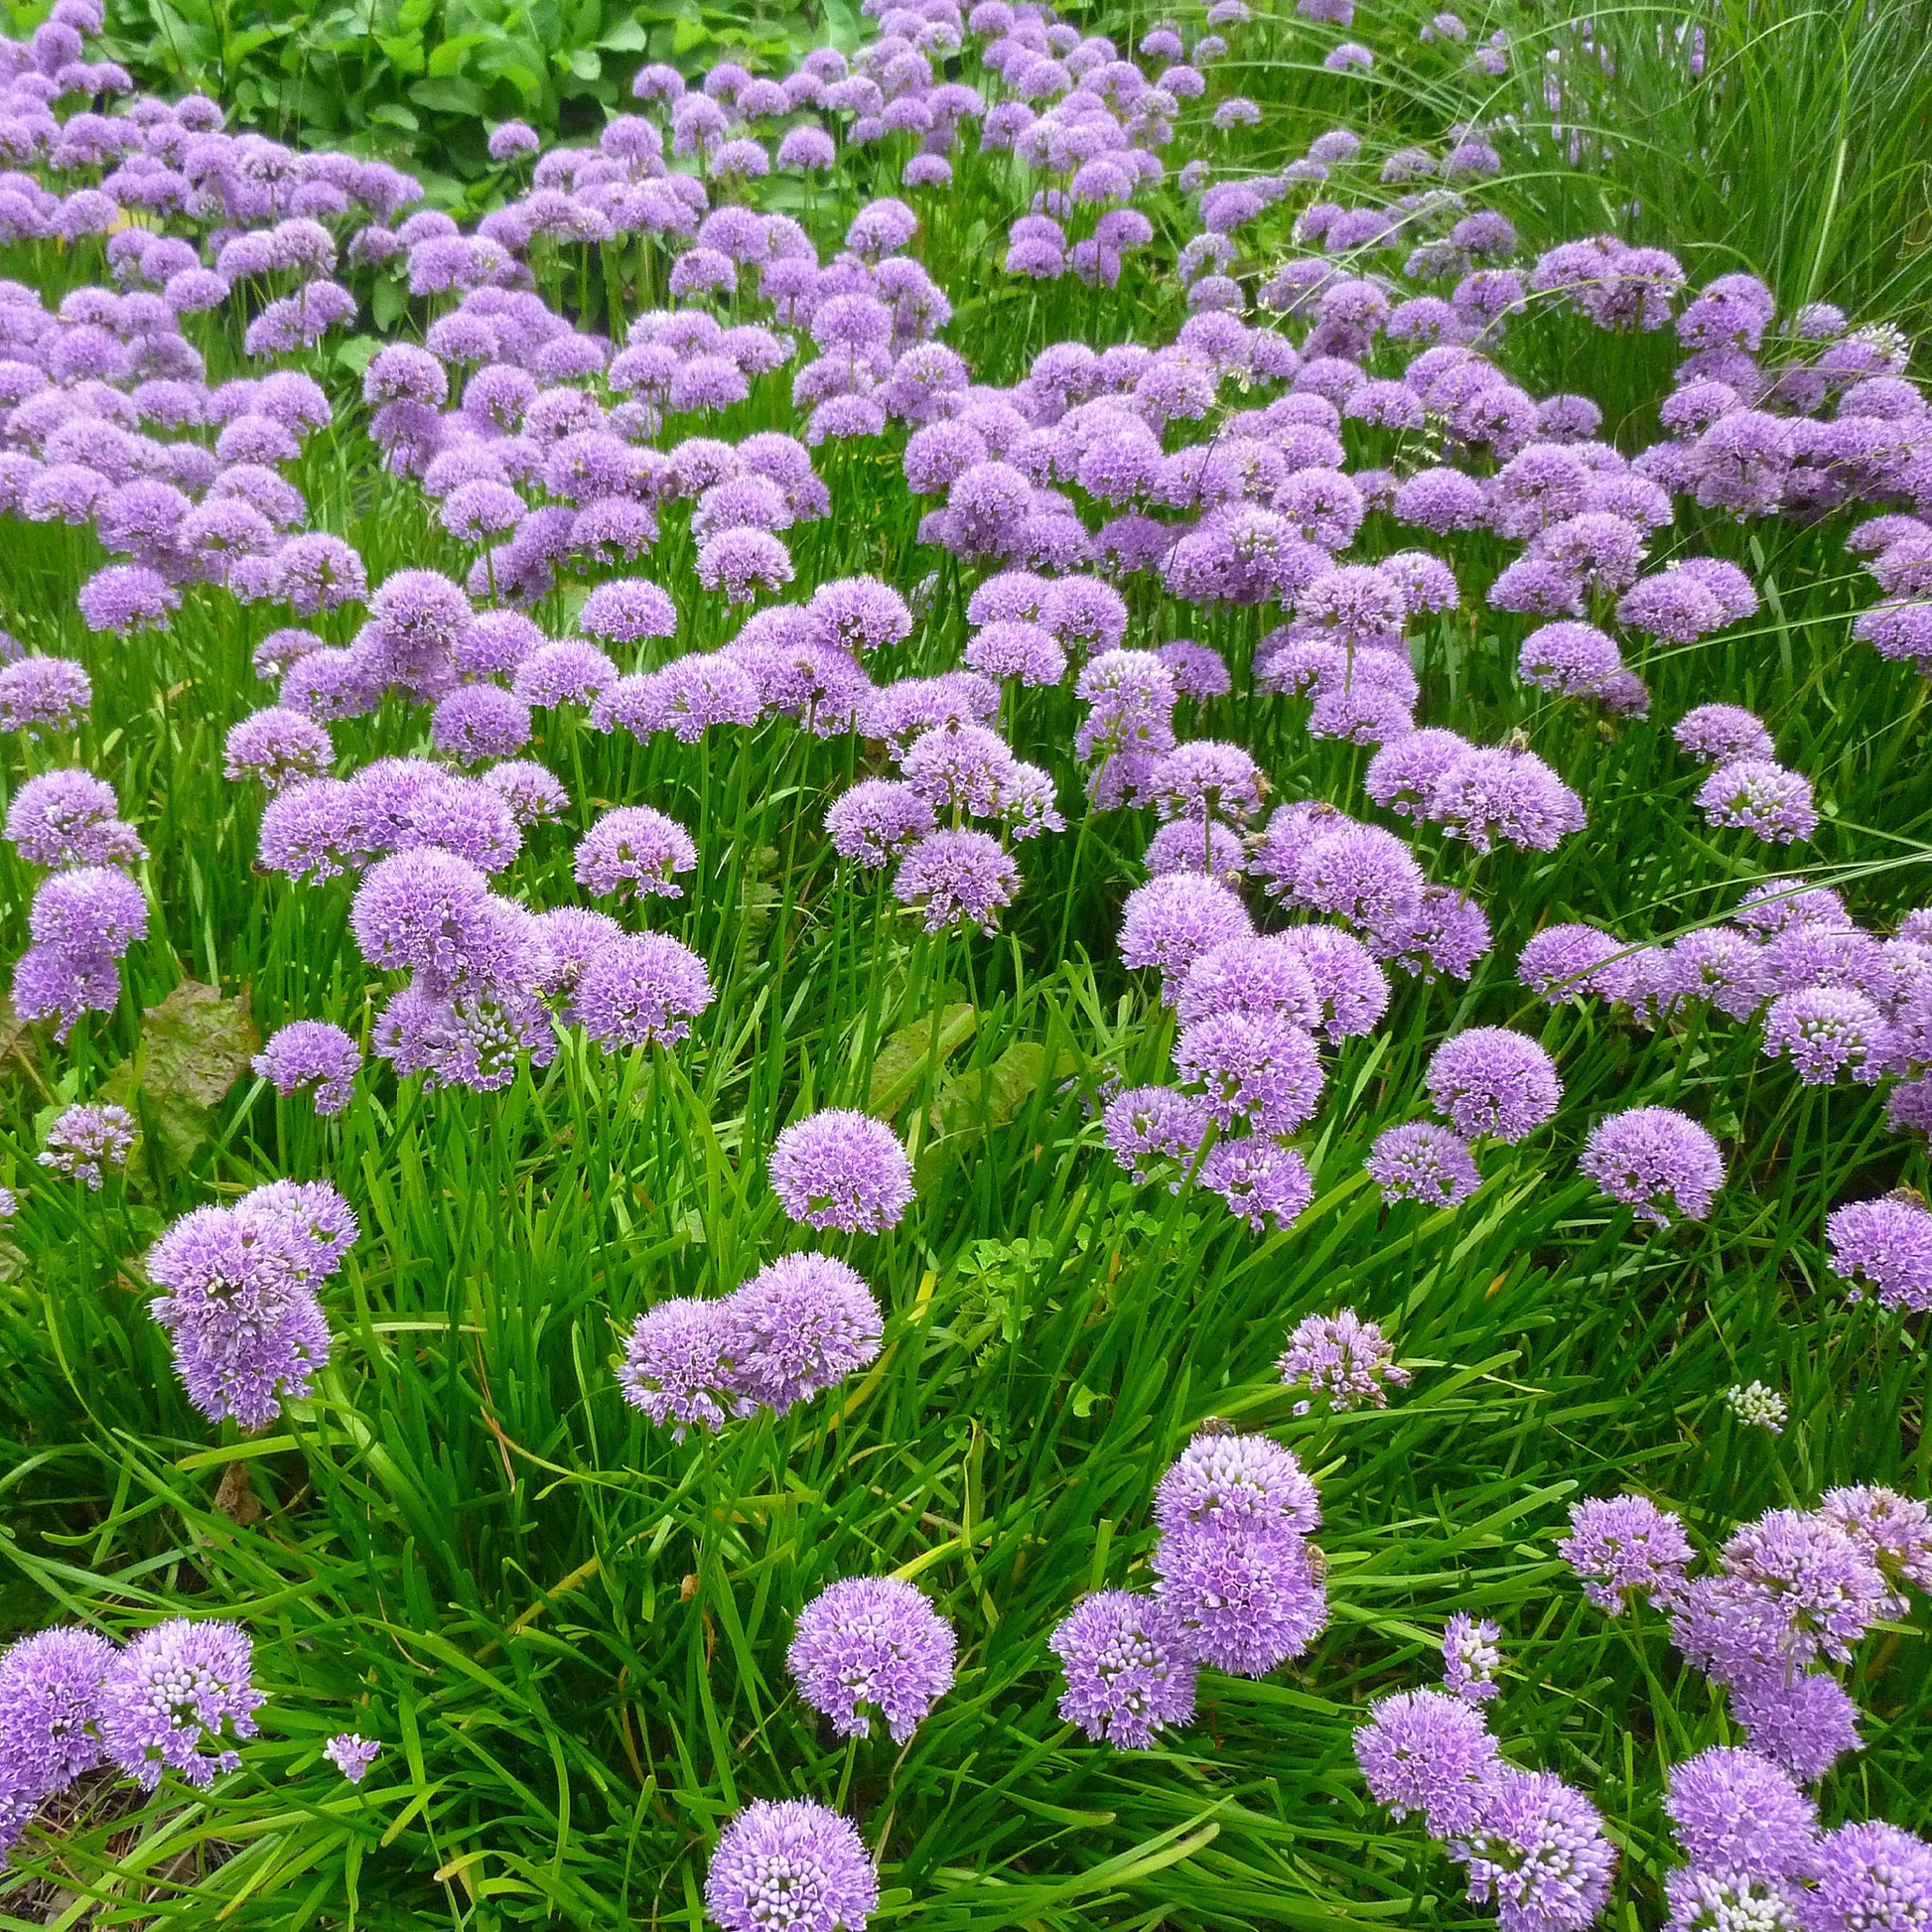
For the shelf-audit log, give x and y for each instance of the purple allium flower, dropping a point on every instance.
(1260, 1180)
(1886, 1244)
(350, 1753)
(1723, 734)
(871, 1641)
(877, 821)
(90, 910)
(1233, 1481)
(311, 1053)
(1242, 1597)
(1261, 976)
(1425, 1752)
(1761, 797)
(1399, 774)
(1359, 873)
(1199, 670)
(1205, 778)
(67, 818)
(124, 597)
(634, 852)
(1621, 1546)
(180, 1698)
(1353, 989)
(1489, 1080)
(859, 614)
(1703, 1901)
(679, 1365)
(1655, 1161)
(1148, 1124)
(1423, 1161)
(1127, 1678)
(1539, 1850)
(1342, 1360)
(1560, 964)
(1571, 659)
(1870, 1878)
(1734, 1811)
(570, 670)
(1259, 1069)
(627, 611)
(1826, 1030)
(648, 988)
(477, 722)
(1805, 1722)
(86, 1142)
(741, 562)
(421, 909)
(958, 877)
(1894, 1531)
(793, 1866)
(1170, 922)
(1471, 1658)
(278, 746)
(1498, 794)
(51, 1686)
(43, 694)
(801, 1326)
(1015, 649)
(1794, 1588)
(841, 1169)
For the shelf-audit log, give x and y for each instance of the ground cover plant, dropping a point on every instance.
(987, 985)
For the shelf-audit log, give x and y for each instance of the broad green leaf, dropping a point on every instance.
(896, 1067)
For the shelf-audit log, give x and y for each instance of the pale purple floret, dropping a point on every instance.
(793, 1866)
(1655, 1161)
(841, 1169)
(648, 989)
(1806, 1721)
(1735, 1810)
(1171, 921)
(1794, 1589)
(277, 747)
(1251, 975)
(871, 1644)
(1144, 1125)
(51, 1710)
(67, 818)
(1128, 1679)
(1569, 658)
(626, 611)
(1402, 772)
(1188, 845)
(1727, 1901)
(88, 1142)
(1340, 1360)
(1491, 793)
(956, 879)
(478, 722)
(180, 1698)
(1894, 1531)
(1539, 1851)
(1359, 873)
(877, 821)
(1488, 1081)
(1624, 1547)
(1870, 1878)
(1760, 797)
(1353, 988)
(92, 911)
(634, 852)
(312, 1053)
(1244, 1597)
(352, 1754)
(1471, 1658)
(1425, 1752)
(1422, 1161)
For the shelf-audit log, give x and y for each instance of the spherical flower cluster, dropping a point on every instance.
(795, 1328)
(793, 1866)
(871, 1641)
(1127, 1676)
(1624, 1547)
(1656, 1161)
(1423, 1161)
(312, 1053)
(634, 852)
(1342, 1360)
(1491, 1081)
(1886, 1246)
(87, 1142)
(840, 1168)
(178, 1699)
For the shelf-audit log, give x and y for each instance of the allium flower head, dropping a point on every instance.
(1807, 1584)
(1489, 1080)
(1894, 1531)
(1870, 1878)
(1259, 1067)
(1244, 1599)
(1144, 1125)
(1722, 734)
(1252, 976)
(1423, 1161)
(1561, 962)
(51, 1710)
(1262, 1181)
(312, 1053)
(1171, 921)
(1703, 1901)
(352, 1754)
(648, 988)
(1539, 1850)
(1471, 1658)
(1127, 1677)
(841, 1169)
(956, 878)
(1827, 1031)
(1622, 1547)
(794, 1865)
(1761, 797)
(679, 1365)
(1342, 1360)
(87, 1142)
(93, 911)
(1734, 1811)
(1656, 1161)
(67, 818)
(801, 1326)
(871, 1644)
(1234, 1480)
(180, 1698)
(634, 852)
(1425, 1752)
